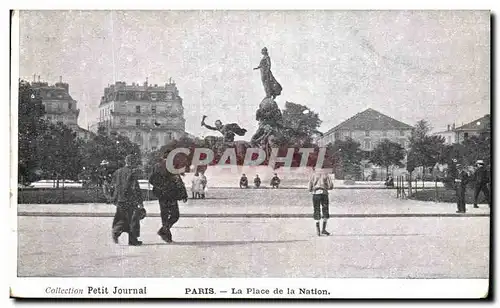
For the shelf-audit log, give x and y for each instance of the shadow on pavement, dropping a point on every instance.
(381, 234)
(219, 243)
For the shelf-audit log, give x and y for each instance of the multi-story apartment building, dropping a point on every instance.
(59, 105)
(149, 115)
(369, 128)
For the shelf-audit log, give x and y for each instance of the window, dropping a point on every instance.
(466, 135)
(138, 96)
(122, 96)
(384, 133)
(123, 121)
(153, 148)
(367, 133)
(449, 139)
(367, 144)
(49, 118)
(138, 138)
(169, 136)
(401, 132)
(137, 122)
(153, 135)
(153, 96)
(70, 106)
(137, 109)
(153, 109)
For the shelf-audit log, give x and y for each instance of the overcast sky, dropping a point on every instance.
(416, 65)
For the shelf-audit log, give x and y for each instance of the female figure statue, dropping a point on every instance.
(271, 86)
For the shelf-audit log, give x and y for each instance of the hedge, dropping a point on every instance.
(66, 195)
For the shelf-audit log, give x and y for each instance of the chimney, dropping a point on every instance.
(453, 126)
(34, 77)
(38, 78)
(448, 127)
(146, 82)
(60, 79)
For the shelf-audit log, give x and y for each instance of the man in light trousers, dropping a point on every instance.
(319, 185)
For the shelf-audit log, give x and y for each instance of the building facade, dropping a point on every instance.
(59, 106)
(474, 128)
(449, 135)
(369, 128)
(149, 115)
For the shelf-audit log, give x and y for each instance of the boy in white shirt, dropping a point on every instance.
(319, 185)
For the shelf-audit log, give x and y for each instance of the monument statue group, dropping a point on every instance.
(268, 114)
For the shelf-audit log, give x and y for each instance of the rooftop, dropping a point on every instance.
(483, 123)
(370, 119)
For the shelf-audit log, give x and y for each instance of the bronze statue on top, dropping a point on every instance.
(271, 86)
(228, 131)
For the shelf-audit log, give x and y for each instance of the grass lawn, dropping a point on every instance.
(446, 195)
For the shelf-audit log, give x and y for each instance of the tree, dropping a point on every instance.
(477, 147)
(387, 154)
(347, 156)
(60, 153)
(104, 154)
(302, 124)
(30, 128)
(420, 131)
(425, 150)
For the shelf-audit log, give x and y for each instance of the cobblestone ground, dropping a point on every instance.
(409, 247)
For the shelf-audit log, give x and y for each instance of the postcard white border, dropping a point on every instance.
(344, 288)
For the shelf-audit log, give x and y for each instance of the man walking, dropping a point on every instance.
(461, 186)
(168, 188)
(319, 185)
(481, 181)
(127, 197)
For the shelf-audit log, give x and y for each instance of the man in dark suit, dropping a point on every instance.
(127, 197)
(481, 181)
(244, 181)
(168, 188)
(275, 181)
(461, 181)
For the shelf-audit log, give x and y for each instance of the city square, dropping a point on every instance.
(234, 234)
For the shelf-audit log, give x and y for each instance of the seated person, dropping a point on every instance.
(244, 181)
(275, 181)
(256, 181)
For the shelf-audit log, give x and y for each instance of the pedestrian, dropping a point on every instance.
(319, 185)
(481, 182)
(204, 183)
(127, 197)
(196, 186)
(256, 181)
(461, 181)
(243, 181)
(169, 189)
(275, 181)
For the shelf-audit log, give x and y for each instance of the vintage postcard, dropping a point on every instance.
(287, 154)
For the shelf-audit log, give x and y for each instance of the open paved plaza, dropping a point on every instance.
(362, 245)
(238, 247)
